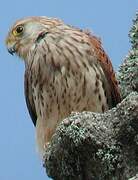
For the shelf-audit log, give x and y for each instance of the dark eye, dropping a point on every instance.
(18, 30)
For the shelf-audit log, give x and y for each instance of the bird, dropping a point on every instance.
(66, 69)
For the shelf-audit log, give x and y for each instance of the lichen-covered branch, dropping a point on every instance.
(128, 72)
(96, 146)
(135, 177)
(92, 146)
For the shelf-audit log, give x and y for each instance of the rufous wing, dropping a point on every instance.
(107, 68)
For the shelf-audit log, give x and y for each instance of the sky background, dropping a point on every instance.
(110, 20)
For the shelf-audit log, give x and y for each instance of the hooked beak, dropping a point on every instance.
(12, 50)
(11, 47)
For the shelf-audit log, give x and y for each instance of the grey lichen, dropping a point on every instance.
(134, 178)
(128, 72)
(133, 34)
(111, 158)
(96, 146)
(93, 146)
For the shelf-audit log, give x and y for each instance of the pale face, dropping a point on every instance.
(23, 35)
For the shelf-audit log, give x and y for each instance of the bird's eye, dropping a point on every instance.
(18, 30)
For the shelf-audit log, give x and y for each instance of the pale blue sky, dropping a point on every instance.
(110, 20)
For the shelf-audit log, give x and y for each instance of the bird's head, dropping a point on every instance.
(26, 32)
